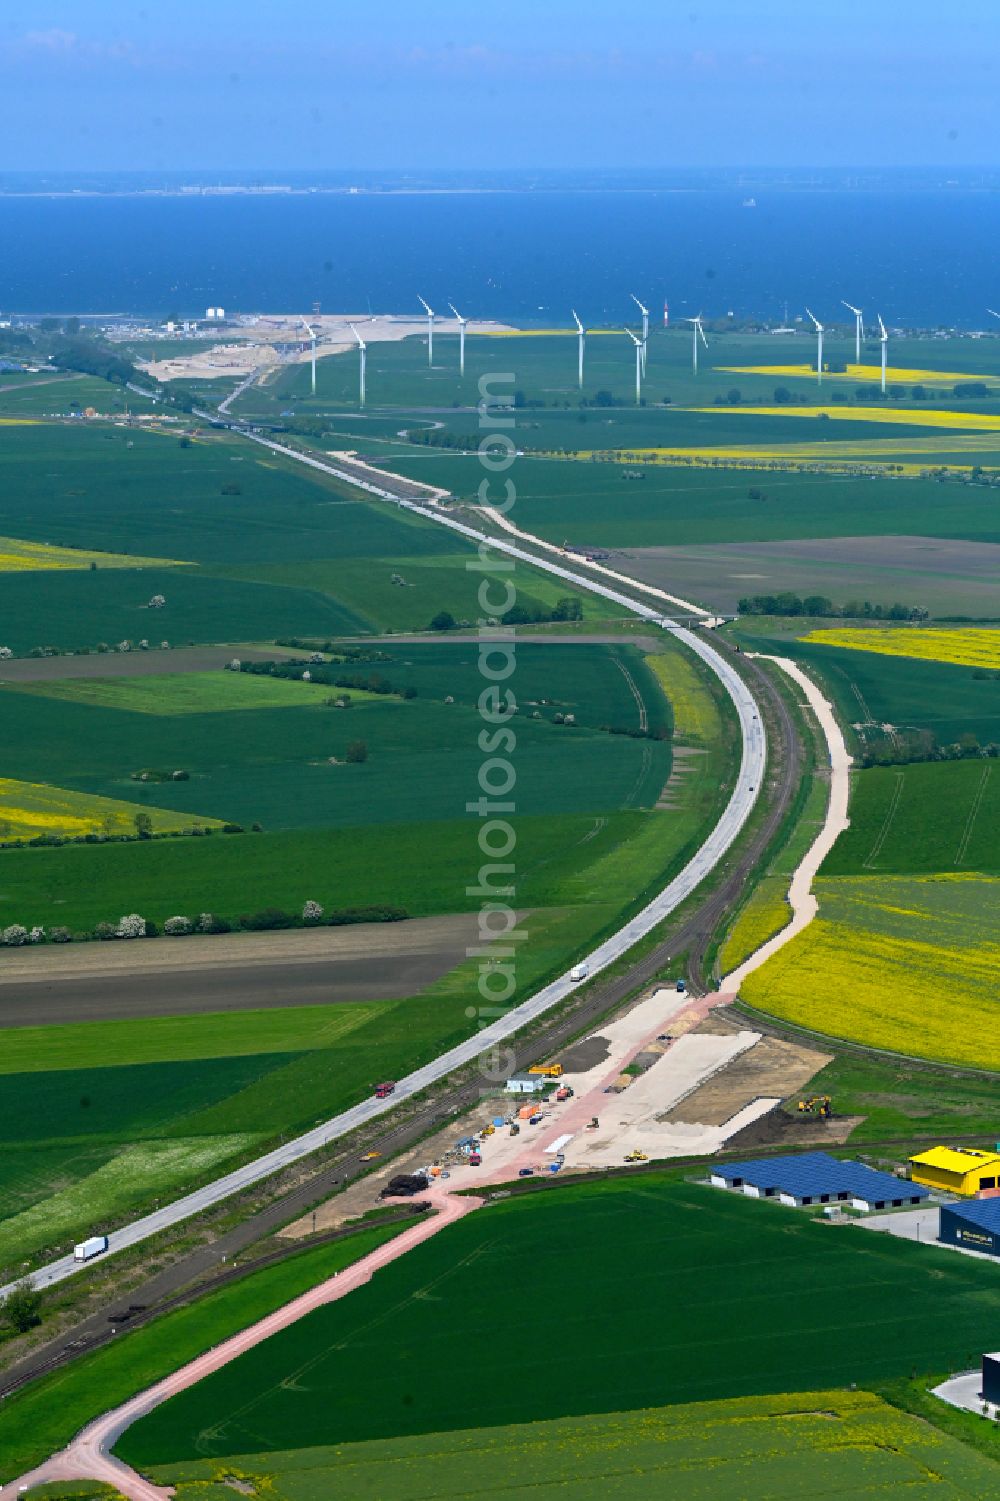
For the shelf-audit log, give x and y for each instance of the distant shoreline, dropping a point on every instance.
(548, 190)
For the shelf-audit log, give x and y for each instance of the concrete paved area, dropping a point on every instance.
(965, 1391)
(920, 1225)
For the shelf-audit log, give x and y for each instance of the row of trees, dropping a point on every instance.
(570, 607)
(817, 605)
(133, 925)
(903, 747)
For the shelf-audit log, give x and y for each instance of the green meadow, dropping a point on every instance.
(833, 1444)
(403, 1355)
(870, 690)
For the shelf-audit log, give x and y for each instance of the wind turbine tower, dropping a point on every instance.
(697, 332)
(638, 365)
(859, 329)
(312, 349)
(579, 353)
(885, 349)
(461, 338)
(430, 329)
(645, 327)
(362, 351)
(819, 347)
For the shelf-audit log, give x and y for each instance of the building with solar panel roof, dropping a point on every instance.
(817, 1178)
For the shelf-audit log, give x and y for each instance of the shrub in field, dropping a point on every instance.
(267, 918)
(5, 653)
(132, 926)
(312, 912)
(60, 935)
(14, 936)
(357, 752)
(105, 930)
(208, 922)
(37, 935)
(178, 927)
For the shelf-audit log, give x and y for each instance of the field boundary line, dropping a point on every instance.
(883, 833)
(970, 822)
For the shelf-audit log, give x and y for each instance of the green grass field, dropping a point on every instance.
(831, 1444)
(917, 820)
(186, 692)
(701, 1295)
(870, 690)
(47, 1414)
(267, 759)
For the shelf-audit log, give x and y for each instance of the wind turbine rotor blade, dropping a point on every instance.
(882, 333)
(993, 312)
(426, 306)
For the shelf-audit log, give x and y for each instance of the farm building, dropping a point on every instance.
(957, 1170)
(975, 1226)
(526, 1083)
(817, 1178)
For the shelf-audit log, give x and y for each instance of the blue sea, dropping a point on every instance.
(920, 257)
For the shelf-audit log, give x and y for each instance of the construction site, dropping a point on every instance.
(673, 1076)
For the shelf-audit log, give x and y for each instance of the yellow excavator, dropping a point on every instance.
(636, 1156)
(820, 1104)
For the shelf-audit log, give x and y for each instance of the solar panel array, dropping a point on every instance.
(982, 1212)
(808, 1175)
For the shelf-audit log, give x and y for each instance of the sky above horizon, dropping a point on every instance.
(243, 84)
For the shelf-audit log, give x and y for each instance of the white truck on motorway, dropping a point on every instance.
(92, 1246)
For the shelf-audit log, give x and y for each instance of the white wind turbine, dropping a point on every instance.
(461, 338)
(645, 327)
(579, 354)
(885, 349)
(819, 347)
(362, 350)
(993, 312)
(638, 365)
(697, 332)
(312, 346)
(859, 329)
(430, 329)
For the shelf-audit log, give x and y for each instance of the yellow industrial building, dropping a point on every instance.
(957, 1170)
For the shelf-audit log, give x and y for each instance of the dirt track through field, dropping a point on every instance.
(88, 1457)
(230, 972)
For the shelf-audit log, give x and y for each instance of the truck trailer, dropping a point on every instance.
(93, 1246)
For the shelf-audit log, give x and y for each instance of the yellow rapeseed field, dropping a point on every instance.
(902, 416)
(970, 647)
(911, 966)
(695, 714)
(18, 556)
(764, 915)
(860, 372)
(28, 809)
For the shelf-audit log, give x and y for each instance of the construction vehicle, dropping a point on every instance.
(594, 1124)
(475, 1159)
(487, 1130)
(565, 1093)
(404, 1186)
(534, 1120)
(515, 1129)
(636, 1156)
(820, 1104)
(384, 1090)
(370, 1156)
(547, 1070)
